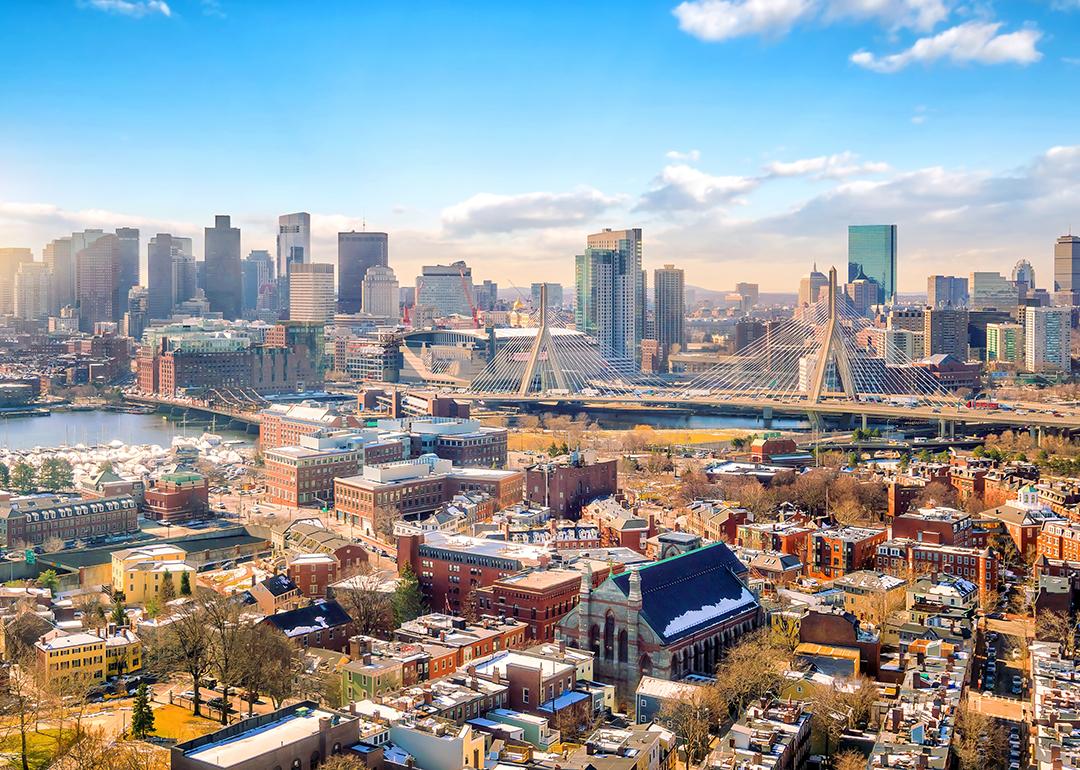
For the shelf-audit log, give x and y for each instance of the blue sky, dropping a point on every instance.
(742, 135)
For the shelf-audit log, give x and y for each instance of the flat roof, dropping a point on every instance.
(241, 748)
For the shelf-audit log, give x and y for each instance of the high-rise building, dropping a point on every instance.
(872, 251)
(1067, 264)
(162, 251)
(311, 292)
(991, 290)
(1005, 343)
(358, 252)
(902, 346)
(257, 277)
(185, 277)
(380, 293)
(293, 248)
(1023, 273)
(946, 291)
(749, 292)
(945, 330)
(669, 285)
(861, 294)
(1047, 336)
(32, 283)
(60, 260)
(222, 256)
(608, 283)
(97, 271)
(10, 261)
(138, 312)
(487, 295)
(448, 289)
(811, 286)
(129, 263)
(554, 295)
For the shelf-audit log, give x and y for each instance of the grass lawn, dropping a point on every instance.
(41, 747)
(531, 440)
(180, 724)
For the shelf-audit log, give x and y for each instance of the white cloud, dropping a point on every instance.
(693, 156)
(682, 187)
(716, 20)
(491, 213)
(213, 8)
(922, 15)
(837, 166)
(135, 8)
(971, 42)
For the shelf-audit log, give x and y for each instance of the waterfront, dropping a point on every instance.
(101, 427)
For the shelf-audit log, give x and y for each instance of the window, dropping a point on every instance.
(524, 694)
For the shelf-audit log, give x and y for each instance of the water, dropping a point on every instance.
(61, 428)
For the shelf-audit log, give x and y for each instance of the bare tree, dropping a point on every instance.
(849, 760)
(184, 645)
(227, 637)
(1051, 626)
(978, 738)
(692, 721)
(752, 668)
(270, 665)
(371, 609)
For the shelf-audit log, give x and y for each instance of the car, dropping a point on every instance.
(996, 616)
(189, 694)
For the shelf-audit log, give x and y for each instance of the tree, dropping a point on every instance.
(168, 590)
(936, 493)
(22, 477)
(142, 715)
(185, 584)
(270, 665)
(105, 466)
(371, 609)
(48, 579)
(55, 473)
(753, 667)
(1051, 626)
(341, 762)
(118, 614)
(849, 760)
(692, 721)
(152, 608)
(19, 703)
(5, 476)
(22, 631)
(978, 738)
(408, 602)
(184, 645)
(227, 639)
(53, 544)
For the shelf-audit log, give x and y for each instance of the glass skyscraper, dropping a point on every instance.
(872, 252)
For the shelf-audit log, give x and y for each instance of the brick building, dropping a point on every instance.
(565, 485)
(832, 553)
(468, 641)
(313, 573)
(946, 526)
(323, 624)
(177, 497)
(908, 557)
(787, 537)
(304, 474)
(33, 519)
(538, 597)
(284, 425)
(304, 536)
(619, 526)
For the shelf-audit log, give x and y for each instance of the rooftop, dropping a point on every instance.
(260, 739)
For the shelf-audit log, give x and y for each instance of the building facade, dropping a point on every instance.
(872, 252)
(358, 252)
(223, 279)
(311, 293)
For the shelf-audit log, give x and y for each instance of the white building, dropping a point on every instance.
(380, 293)
(446, 288)
(1047, 337)
(32, 283)
(311, 292)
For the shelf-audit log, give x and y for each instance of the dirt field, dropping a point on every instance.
(521, 440)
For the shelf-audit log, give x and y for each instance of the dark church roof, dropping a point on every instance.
(690, 592)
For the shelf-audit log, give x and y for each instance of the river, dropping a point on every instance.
(60, 428)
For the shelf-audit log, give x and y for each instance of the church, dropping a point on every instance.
(667, 619)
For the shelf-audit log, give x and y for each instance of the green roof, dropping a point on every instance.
(180, 478)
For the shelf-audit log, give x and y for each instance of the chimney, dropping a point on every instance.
(562, 645)
(324, 724)
(427, 697)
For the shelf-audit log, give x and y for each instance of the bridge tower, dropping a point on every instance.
(832, 349)
(542, 350)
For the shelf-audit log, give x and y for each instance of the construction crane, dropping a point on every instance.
(469, 298)
(415, 301)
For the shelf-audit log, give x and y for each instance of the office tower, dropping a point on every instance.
(1067, 264)
(811, 286)
(946, 291)
(945, 330)
(669, 285)
(10, 261)
(747, 331)
(1005, 343)
(554, 295)
(1047, 334)
(32, 283)
(608, 286)
(910, 318)
(129, 263)
(311, 292)
(379, 293)
(991, 290)
(872, 251)
(641, 325)
(293, 247)
(97, 267)
(902, 346)
(1023, 273)
(221, 254)
(60, 260)
(138, 313)
(257, 277)
(749, 292)
(861, 294)
(487, 295)
(448, 289)
(356, 253)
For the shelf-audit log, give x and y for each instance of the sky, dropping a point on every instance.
(742, 136)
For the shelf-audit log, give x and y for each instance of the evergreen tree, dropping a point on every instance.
(55, 474)
(22, 477)
(185, 584)
(118, 615)
(142, 716)
(48, 579)
(5, 476)
(408, 601)
(168, 590)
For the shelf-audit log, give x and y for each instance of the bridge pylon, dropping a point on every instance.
(832, 348)
(542, 350)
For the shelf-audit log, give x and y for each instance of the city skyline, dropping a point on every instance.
(966, 152)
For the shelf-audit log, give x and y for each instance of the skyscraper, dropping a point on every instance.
(1047, 334)
(1023, 273)
(991, 290)
(129, 263)
(97, 271)
(1067, 264)
(810, 286)
(1005, 342)
(10, 261)
(311, 292)
(945, 330)
(380, 293)
(60, 260)
(358, 251)
(159, 276)
(872, 250)
(222, 257)
(257, 277)
(293, 247)
(608, 283)
(32, 291)
(669, 285)
(554, 295)
(946, 291)
(136, 317)
(446, 288)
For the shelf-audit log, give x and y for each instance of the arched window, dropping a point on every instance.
(594, 640)
(609, 636)
(623, 651)
(645, 665)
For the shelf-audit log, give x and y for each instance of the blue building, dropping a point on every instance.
(872, 252)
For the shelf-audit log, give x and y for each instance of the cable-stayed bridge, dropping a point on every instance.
(826, 360)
